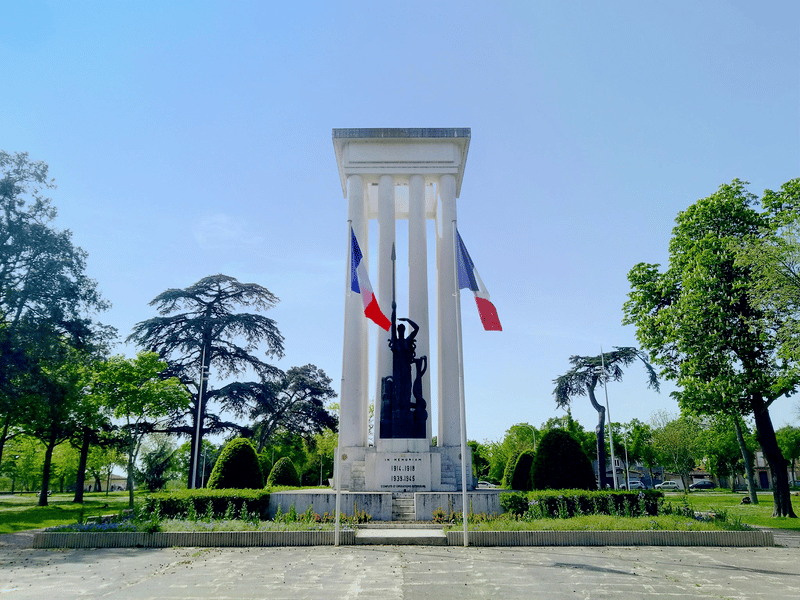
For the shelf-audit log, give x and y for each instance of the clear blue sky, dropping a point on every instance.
(194, 138)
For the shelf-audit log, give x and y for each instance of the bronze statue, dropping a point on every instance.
(399, 416)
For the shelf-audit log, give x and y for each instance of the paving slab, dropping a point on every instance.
(400, 572)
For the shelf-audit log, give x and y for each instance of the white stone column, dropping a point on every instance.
(352, 414)
(386, 239)
(447, 315)
(418, 280)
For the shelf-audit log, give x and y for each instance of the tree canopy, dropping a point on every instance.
(699, 323)
(46, 307)
(133, 391)
(201, 328)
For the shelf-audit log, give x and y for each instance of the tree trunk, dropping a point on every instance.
(80, 480)
(48, 459)
(131, 462)
(748, 462)
(600, 432)
(4, 436)
(778, 465)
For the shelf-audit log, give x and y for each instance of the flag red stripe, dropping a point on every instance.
(488, 313)
(373, 311)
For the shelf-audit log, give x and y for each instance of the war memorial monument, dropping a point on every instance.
(402, 177)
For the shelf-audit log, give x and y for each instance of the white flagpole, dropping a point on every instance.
(337, 459)
(462, 404)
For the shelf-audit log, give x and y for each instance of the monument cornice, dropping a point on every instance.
(401, 152)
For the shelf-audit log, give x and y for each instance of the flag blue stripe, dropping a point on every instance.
(354, 261)
(466, 268)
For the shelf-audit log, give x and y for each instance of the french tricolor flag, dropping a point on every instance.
(359, 283)
(468, 278)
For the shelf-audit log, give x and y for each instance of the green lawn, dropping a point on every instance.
(19, 512)
(752, 514)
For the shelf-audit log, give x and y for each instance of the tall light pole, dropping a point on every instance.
(608, 414)
(627, 464)
(533, 431)
(203, 379)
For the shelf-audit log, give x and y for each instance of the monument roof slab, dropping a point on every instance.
(372, 152)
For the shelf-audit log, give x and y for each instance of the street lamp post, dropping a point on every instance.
(627, 464)
(196, 450)
(608, 414)
(533, 432)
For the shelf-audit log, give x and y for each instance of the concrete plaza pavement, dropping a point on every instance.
(400, 572)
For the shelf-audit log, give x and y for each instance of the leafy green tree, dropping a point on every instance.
(294, 401)
(321, 451)
(53, 404)
(200, 328)
(45, 302)
(135, 393)
(789, 441)
(678, 443)
(699, 322)
(65, 466)
(101, 462)
(157, 462)
(639, 437)
(45, 295)
(720, 448)
(480, 459)
(582, 379)
(285, 444)
(209, 454)
(24, 463)
(518, 437)
(772, 259)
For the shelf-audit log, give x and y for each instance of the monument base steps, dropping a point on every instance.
(403, 506)
(401, 534)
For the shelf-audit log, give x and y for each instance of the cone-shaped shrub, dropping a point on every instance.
(508, 470)
(283, 473)
(521, 479)
(560, 463)
(237, 467)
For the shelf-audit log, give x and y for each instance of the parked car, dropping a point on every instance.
(635, 485)
(486, 484)
(703, 484)
(668, 485)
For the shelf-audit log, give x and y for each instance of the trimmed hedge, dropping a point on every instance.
(560, 463)
(237, 467)
(521, 479)
(181, 504)
(508, 470)
(283, 473)
(570, 503)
